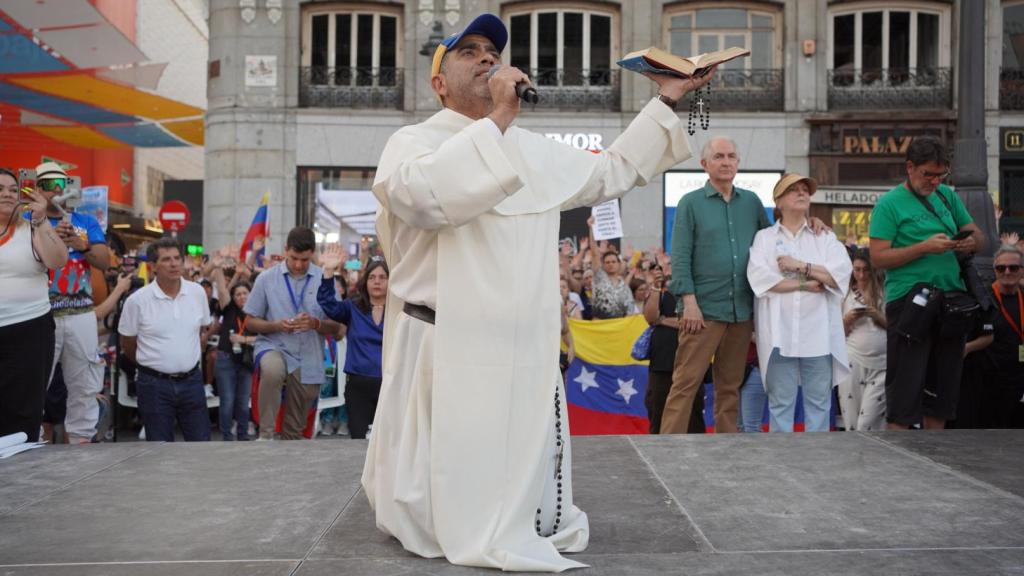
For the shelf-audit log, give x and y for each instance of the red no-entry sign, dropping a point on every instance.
(174, 215)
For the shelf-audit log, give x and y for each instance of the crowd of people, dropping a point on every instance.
(773, 310)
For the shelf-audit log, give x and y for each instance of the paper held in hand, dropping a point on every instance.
(657, 61)
(607, 220)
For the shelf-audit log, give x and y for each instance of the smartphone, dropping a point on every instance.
(962, 235)
(27, 179)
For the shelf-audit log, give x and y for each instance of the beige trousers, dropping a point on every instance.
(299, 397)
(727, 342)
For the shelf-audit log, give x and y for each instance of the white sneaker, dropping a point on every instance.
(342, 429)
(326, 429)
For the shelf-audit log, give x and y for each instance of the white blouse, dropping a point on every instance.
(800, 324)
(23, 279)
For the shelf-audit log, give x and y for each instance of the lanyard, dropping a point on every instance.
(296, 303)
(241, 324)
(1006, 314)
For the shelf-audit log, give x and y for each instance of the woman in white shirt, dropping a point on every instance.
(862, 392)
(799, 279)
(27, 248)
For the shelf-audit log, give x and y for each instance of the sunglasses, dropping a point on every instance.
(1004, 268)
(52, 184)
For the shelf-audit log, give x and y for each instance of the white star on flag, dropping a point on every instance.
(626, 390)
(586, 379)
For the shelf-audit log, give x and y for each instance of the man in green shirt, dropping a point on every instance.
(711, 236)
(912, 231)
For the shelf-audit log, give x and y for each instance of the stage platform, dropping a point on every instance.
(894, 503)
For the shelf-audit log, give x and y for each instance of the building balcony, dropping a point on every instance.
(1011, 88)
(759, 90)
(596, 90)
(345, 87)
(890, 89)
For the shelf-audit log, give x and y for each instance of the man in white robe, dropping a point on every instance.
(469, 456)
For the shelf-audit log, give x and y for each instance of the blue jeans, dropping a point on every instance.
(786, 376)
(234, 386)
(753, 402)
(162, 400)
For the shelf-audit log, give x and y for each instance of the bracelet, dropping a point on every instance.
(668, 101)
(36, 223)
(807, 270)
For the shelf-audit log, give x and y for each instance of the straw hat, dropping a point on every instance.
(788, 180)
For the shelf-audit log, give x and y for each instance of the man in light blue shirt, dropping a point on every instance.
(283, 311)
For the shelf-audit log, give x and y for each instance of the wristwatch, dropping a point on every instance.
(668, 101)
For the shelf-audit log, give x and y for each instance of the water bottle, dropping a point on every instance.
(921, 299)
(915, 321)
(236, 347)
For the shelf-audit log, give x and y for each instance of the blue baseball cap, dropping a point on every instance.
(487, 25)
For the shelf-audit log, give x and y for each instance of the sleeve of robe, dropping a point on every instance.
(652, 143)
(448, 186)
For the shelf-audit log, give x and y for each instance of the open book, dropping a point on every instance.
(658, 61)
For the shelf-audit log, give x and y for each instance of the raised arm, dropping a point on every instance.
(52, 251)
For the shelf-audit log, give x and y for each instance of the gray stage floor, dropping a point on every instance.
(808, 504)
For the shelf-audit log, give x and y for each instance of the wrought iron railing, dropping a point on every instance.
(1011, 88)
(758, 90)
(890, 88)
(576, 89)
(346, 87)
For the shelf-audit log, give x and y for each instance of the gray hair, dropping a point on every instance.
(705, 152)
(1009, 249)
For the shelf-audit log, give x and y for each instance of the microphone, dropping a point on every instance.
(526, 92)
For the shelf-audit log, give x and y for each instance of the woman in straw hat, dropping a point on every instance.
(799, 279)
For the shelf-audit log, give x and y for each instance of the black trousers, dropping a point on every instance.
(361, 394)
(26, 356)
(658, 386)
(922, 378)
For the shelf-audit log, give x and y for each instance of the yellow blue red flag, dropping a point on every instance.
(604, 385)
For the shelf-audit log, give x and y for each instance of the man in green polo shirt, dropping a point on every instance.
(912, 232)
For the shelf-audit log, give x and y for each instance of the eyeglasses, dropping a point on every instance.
(1007, 268)
(933, 175)
(51, 184)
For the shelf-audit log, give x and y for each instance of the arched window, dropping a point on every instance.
(900, 50)
(352, 46)
(1011, 72)
(692, 30)
(565, 47)
(751, 83)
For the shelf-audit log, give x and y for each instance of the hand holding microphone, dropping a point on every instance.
(524, 89)
(508, 86)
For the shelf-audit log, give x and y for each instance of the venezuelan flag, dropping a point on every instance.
(260, 228)
(604, 385)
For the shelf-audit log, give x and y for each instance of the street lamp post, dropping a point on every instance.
(970, 168)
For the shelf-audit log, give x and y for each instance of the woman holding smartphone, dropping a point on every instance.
(862, 391)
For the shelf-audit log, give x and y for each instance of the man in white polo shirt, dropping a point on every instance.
(160, 330)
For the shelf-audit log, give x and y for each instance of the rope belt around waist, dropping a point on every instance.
(173, 377)
(419, 312)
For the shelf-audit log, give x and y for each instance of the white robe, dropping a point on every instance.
(462, 453)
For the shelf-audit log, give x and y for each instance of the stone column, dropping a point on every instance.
(250, 122)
